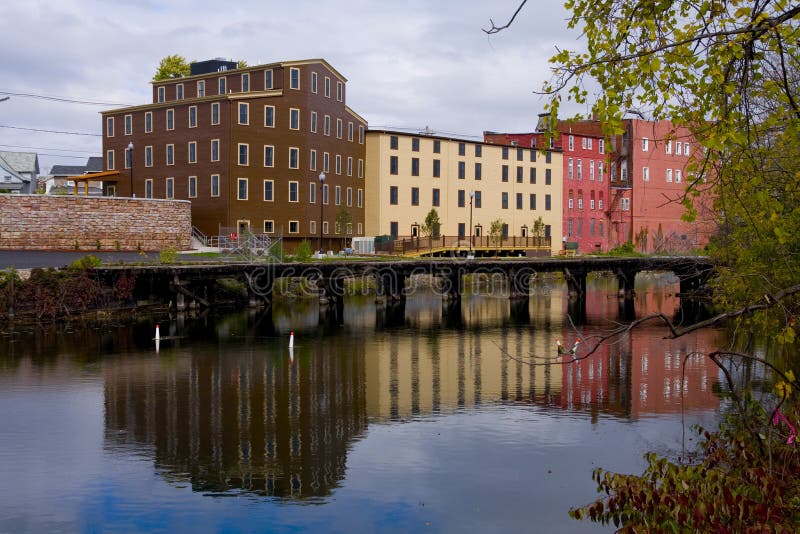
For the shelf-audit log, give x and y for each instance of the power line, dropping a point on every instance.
(60, 155)
(63, 99)
(49, 148)
(49, 131)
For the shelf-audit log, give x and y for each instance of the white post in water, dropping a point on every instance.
(291, 340)
(158, 335)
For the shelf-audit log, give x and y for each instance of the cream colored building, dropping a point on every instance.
(407, 175)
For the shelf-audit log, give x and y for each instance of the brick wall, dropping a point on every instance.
(39, 222)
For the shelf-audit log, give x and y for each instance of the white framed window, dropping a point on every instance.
(678, 148)
(325, 188)
(244, 113)
(109, 160)
(170, 154)
(591, 204)
(161, 93)
(645, 144)
(148, 156)
(312, 192)
(294, 119)
(591, 170)
(170, 188)
(623, 171)
(269, 156)
(600, 203)
(313, 82)
(269, 226)
(244, 154)
(601, 146)
(192, 116)
(268, 79)
(148, 121)
(678, 177)
(349, 196)
(215, 185)
(325, 227)
(241, 188)
(269, 190)
(110, 127)
(625, 204)
(269, 116)
(246, 82)
(589, 143)
(294, 227)
(338, 195)
(214, 113)
(294, 191)
(360, 229)
(669, 175)
(326, 126)
(583, 142)
(192, 151)
(312, 160)
(222, 85)
(645, 174)
(360, 135)
(179, 91)
(294, 78)
(571, 142)
(215, 150)
(349, 166)
(148, 188)
(201, 88)
(580, 169)
(338, 161)
(294, 158)
(570, 173)
(685, 149)
(570, 203)
(668, 146)
(326, 162)
(313, 122)
(128, 124)
(312, 227)
(360, 168)
(170, 119)
(338, 128)
(327, 87)
(192, 187)
(340, 91)
(599, 171)
(350, 130)
(360, 200)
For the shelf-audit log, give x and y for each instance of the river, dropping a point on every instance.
(417, 420)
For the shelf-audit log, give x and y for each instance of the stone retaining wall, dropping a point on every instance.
(42, 222)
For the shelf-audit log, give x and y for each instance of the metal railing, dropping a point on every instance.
(422, 244)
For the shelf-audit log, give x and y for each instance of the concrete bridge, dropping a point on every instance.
(194, 284)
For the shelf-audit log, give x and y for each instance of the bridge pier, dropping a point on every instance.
(452, 287)
(626, 279)
(389, 286)
(576, 282)
(259, 288)
(519, 283)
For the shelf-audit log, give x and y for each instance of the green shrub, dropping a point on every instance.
(168, 256)
(303, 251)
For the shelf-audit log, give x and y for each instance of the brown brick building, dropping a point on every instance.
(247, 148)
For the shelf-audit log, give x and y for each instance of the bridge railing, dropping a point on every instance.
(421, 244)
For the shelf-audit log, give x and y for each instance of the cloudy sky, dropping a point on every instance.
(409, 64)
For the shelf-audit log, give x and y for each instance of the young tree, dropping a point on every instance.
(432, 224)
(174, 66)
(343, 219)
(496, 231)
(538, 229)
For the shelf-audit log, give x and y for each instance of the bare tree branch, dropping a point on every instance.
(497, 29)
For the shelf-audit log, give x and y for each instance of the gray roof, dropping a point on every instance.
(7, 171)
(67, 170)
(22, 161)
(94, 164)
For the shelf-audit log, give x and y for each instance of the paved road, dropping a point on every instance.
(28, 259)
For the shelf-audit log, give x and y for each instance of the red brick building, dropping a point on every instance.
(247, 147)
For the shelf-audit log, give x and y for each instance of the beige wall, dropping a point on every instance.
(380, 212)
(40, 222)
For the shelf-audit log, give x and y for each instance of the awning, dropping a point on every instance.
(105, 176)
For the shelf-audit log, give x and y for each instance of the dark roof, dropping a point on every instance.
(67, 170)
(94, 164)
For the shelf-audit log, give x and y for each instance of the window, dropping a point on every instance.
(415, 144)
(600, 228)
(548, 156)
(414, 166)
(326, 125)
(269, 116)
(599, 171)
(215, 185)
(340, 91)
(161, 94)
(325, 227)
(170, 119)
(110, 127)
(477, 199)
(360, 136)
(293, 191)
(504, 200)
(548, 176)
(170, 154)
(601, 146)
(570, 226)
(685, 149)
(393, 164)
(669, 175)
(589, 143)
(393, 142)
(338, 195)
(625, 204)
(360, 168)
(532, 201)
(244, 113)
(312, 192)
(505, 173)
(338, 164)
(360, 200)
(520, 154)
(462, 170)
(393, 195)
(461, 198)
(570, 174)
(215, 113)
(571, 142)
(645, 174)
(312, 159)
(600, 201)
(246, 82)
(533, 152)
(215, 150)
(478, 151)
(677, 176)
(519, 175)
(241, 189)
(570, 201)
(294, 119)
(462, 229)
(327, 87)
(478, 169)
(244, 154)
(170, 188)
(148, 156)
(580, 169)
(110, 160)
(532, 175)
(338, 128)
(462, 149)
(192, 187)
(128, 124)
(644, 144)
(222, 85)
(148, 122)
(192, 116)
(349, 131)
(269, 156)
(294, 78)
(623, 171)
(678, 148)
(435, 197)
(192, 151)
(668, 146)
(349, 196)
(294, 227)
(294, 158)
(313, 122)
(269, 227)
(437, 146)
(415, 196)
(148, 188)
(201, 88)
(505, 152)
(436, 168)
(519, 201)
(591, 203)
(326, 162)
(547, 202)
